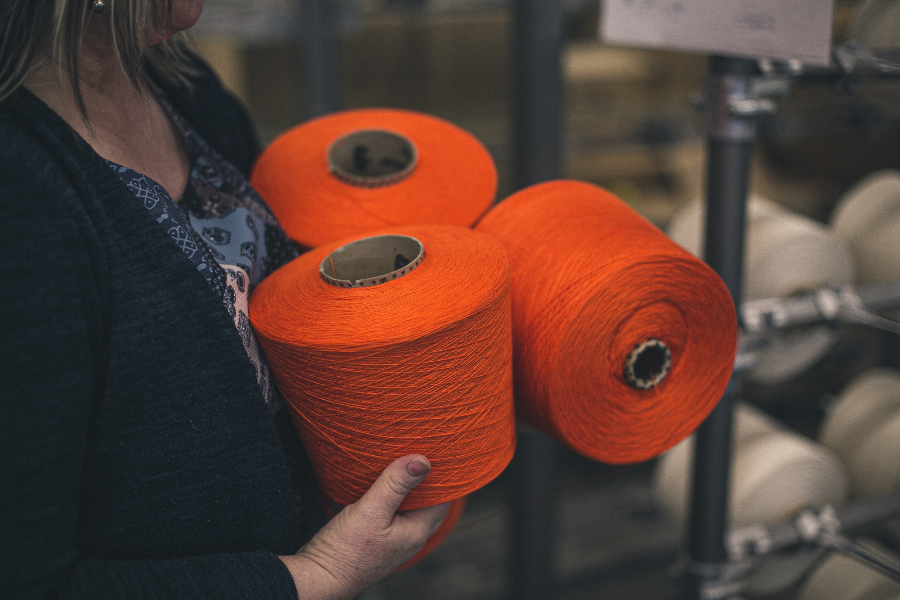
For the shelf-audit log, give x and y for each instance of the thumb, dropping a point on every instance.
(392, 486)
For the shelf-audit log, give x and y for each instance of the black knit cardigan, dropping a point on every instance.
(137, 456)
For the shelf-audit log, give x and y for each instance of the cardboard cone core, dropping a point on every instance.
(372, 157)
(372, 261)
(648, 364)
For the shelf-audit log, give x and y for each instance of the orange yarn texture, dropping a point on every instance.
(453, 182)
(422, 364)
(590, 280)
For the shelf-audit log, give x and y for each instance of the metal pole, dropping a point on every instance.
(321, 51)
(537, 110)
(533, 535)
(728, 166)
(538, 90)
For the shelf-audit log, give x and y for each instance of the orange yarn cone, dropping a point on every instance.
(417, 359)
(353, 172)
(623, 341)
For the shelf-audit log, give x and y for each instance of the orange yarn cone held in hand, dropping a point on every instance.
(352, 172)
(391, 345)
(623, 341)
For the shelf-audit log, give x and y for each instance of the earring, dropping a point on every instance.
(99, 7)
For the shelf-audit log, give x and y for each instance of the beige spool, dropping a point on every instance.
(863, 429)
(881, 253)
(875, 468)
(778, 475)
(840, 577)
(864, 404)
(786, 254)
(867, 219)
(672, 474)
(775, 473)
(686, 227)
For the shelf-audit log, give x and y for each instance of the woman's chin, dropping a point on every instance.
(185, 14)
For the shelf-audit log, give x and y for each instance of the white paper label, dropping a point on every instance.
(777, 29)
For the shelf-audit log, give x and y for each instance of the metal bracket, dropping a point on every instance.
(843, 304)
(738, 102)
(718, 581)
(824, 530)
(763, 560)
(745, 542)
(812, 525)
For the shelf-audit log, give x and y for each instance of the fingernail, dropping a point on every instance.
(417, 468)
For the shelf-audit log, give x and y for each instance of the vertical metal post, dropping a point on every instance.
(729, 148)
(537, 90)
(533, 535)
(319, 41)
(538, 113)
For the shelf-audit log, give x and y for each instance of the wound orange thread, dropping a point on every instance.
(444, 176)
(590, 280)
(422, 363)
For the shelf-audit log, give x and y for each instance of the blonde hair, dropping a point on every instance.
(30, 29)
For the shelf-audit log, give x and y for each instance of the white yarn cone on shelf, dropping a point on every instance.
(875, 470)
(867, 219)
(776, 476)
(785, 254)
(866, 401)
(863, 429)
(775, 473)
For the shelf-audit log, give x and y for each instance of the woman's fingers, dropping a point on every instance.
(369, 539)
(422, 522)
(381, 501)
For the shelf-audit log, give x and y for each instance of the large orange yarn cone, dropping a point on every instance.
(623, 341)
(356, 171)
(416, 358)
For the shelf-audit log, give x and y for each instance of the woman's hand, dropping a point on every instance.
(369, 539)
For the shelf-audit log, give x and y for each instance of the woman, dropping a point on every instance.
(144, 452)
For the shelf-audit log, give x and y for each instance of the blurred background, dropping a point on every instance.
(630, 123)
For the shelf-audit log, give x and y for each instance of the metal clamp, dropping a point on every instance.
(768, 559)
(749, 541)
(738, 101)
(824, 530)
(812, 525)
(842, 304)
(718, 581)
